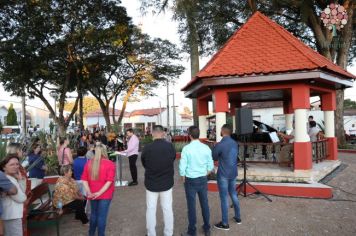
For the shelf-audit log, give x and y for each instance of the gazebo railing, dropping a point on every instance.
(278, 153)
(320, 150)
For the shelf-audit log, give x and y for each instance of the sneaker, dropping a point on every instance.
(133, 183)
(238, 221)
(222, 226)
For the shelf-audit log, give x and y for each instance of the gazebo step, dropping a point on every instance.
(312, 190)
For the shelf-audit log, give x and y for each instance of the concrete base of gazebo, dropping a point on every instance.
(275, 180)
(313, 190)
(274, 173)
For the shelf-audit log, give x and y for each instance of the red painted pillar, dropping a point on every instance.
(220, 101)
(328, 105)
(302, 145)
(221, 107)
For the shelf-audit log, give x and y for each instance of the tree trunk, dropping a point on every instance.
(23, 116)
(126, 99)
(342, 58)
(81, 122)
(62, 127)
(105, 109)
(194, 59)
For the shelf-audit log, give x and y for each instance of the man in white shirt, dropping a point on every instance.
(313, 131)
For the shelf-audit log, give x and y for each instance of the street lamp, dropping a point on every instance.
(55, 96)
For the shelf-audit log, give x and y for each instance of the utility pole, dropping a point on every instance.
(168, 105)
(23, 116)
(174, 115)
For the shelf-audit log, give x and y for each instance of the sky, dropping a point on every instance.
(164, 27)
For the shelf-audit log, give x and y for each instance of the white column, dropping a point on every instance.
(329, 124)
(233, 124)
(220, 120)
(203, 126)
(301, 120)
(289, 121)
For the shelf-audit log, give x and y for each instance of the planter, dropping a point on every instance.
(178, 155)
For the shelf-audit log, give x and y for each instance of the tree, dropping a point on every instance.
(139, 63)
(152, 62)
(89, 104)
(216, 20)
(49, 45)
(11, 118)
(186, 13)
(349, 104)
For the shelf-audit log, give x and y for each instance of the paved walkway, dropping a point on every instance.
(284, 216)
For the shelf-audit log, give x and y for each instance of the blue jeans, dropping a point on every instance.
(99, 212)
(228, 186)
(192, 188)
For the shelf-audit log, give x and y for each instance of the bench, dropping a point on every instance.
(39, 210)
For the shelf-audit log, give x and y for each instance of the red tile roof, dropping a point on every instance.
(100, 113)
(261, 46)
(147, 112)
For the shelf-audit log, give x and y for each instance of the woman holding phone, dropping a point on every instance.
(13, 204)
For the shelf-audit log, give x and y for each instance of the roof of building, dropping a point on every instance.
(186, 116)
(139, 112)
(261, 46)
(261, 105)
(98, 112)
(147, 112)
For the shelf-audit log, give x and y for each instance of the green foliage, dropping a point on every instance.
(216, 20)
(11, 118)
(59, 45)
(349, 104)
(1, 126)
(179, 146)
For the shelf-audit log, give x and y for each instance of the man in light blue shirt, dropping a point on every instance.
(195, 164)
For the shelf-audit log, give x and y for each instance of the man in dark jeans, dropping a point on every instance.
(196, 163)
(132, 153)
(158, 160)
(225, 152)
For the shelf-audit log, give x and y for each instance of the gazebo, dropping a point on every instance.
(264, 62)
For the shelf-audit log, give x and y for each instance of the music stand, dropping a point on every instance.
(245, 182)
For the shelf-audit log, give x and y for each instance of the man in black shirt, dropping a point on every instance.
(158, 161)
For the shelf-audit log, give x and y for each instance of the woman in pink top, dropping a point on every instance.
(64, 153)
(98, 179)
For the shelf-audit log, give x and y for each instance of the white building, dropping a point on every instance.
(142, 119)
(34, 115)
(271, 113)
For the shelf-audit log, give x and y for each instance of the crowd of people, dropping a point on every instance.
(87, 179)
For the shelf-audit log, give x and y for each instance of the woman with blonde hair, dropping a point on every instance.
(98, 179)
